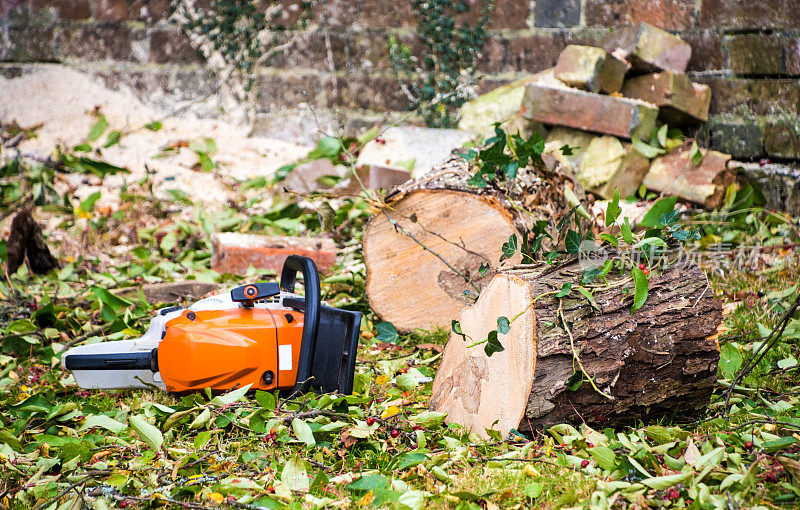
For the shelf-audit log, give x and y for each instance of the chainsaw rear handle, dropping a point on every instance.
(296, 264)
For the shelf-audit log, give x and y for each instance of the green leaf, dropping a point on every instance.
(493, 345)
(778, 444)
(154, 125)
(572, 242)
(613, 210)
(565, 289)
(573, 201)
(665, 482)
(103, 421)
(327, 147)
(503, 325)
(205, 161)
(533, 490)
(83, 147)
(604, 457)
(265, 400)
(660, 208)
(112, 138)
(589, 297)
(646, 150)
(231, 396)
(88, 204)
(697, 155)
(509, 248)
(369, 483)
(730, 360)
(303, 432)
(662, 135)
(429, 418)
(295, 476)
(610, 239)
(99, 127)
(148, 433)
(386, 332)
(640, 294)
(10, 439)
(627, 235)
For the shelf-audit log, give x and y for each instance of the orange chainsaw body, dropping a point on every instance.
(223, 349)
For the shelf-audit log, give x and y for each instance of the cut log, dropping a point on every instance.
(660, 361)
(424, 251)
(234, 253)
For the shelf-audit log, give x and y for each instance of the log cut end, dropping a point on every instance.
(478, 391)
(426, 250)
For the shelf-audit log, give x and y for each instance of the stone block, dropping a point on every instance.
(739, 137)
(608, 164)
(577, 141)
(550, 102)
(649, 49)
(425, 146)
(778, 183)
(501, 105)
(98, 42)
(590, 68)
(171, 46)
(782, 138)
(666, 14)
(26, 43)
(557, 13)
(235, 253)
(704, 184)
(680, 101)
(759, 54)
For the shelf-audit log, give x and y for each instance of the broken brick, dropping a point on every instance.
(590, 68)
(373, 177)
(551, 102)
(306, 177)
(649, 49)
(235, 253)
(499, 105)
(676, 174)
(681, 102)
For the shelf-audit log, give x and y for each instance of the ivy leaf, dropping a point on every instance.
(112, 139)
(154, 125)
(386, 332)
(493, 345)
(482, 270)
(646, 150)
(640, 293)
(509, 248)
(565, 289)
(613, 210)
(455, 327)
(653, 217)
(627, 235)
(572, 242)
(610, 239)
(589, 297)
(503, 325)
(662, 135)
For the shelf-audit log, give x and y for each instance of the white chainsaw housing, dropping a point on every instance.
(143, 379)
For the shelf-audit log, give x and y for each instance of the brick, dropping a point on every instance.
(104, 42)
(27, 43)
(779, 184)
(650, 49)
(170, 46)
(791, 52)
(366, 92)
(557, 13)
(131, 10)
(666, 14)
(590, 68)
(707, 52)
(741, 138)
(234, 253)
(305, 178)
(359, 14)
(608, 165)
(550, 102)
(782, 138)
(373, 177)
(67, 10)
(676, 174)
(755, 54)
(502, 105)
(535, 53)
(743, 15)
(680, 101)
(577, 141)
(279, 91)
(754, 96)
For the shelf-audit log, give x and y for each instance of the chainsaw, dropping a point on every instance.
(260, 334)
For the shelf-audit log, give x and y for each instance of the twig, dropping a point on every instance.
(575, 353)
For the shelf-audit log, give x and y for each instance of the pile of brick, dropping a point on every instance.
(600, 101)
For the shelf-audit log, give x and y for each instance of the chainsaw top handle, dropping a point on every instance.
(296, 264)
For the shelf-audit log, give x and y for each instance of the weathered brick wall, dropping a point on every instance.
(747, 51)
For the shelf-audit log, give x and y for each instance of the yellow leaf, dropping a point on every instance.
(382, 379)
(216, 497)
(530, 470)
(84, 215)
(366, 499)
(390, 411)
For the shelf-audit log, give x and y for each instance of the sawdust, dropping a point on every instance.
(62, 100)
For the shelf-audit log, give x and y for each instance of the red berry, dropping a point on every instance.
(673, 494)
(584, 463)
(417, 427)
(370, 421)
(642, 266)
(763, 162)
(123, 504)
(273, 431)
(646, 271)
(394, 433)
(748, 445)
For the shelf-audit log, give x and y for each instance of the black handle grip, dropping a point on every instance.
(113, 361)
(296, 264)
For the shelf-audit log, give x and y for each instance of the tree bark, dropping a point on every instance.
(26, 243)
(425, 249)
(658, 362)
